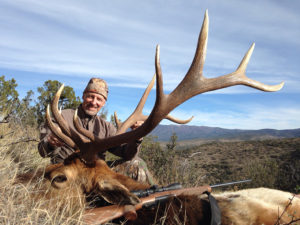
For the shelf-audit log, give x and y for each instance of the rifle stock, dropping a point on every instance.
(108, 213)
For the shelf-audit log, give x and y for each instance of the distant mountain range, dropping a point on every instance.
(186, 132)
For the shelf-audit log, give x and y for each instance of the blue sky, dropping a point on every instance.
(72, 41)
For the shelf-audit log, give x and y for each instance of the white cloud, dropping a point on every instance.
(80, 38)
(254, 118)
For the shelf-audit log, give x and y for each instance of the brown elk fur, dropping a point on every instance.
(250, 206)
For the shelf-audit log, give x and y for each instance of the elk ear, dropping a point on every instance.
(116, 193)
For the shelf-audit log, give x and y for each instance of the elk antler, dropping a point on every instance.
(193, 83)
(57, 131)
(63, 130)
(138, 112)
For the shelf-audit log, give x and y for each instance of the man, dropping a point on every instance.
(94, 98)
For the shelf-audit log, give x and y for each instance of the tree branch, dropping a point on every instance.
(21, 141)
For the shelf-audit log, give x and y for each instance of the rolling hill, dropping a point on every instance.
(186, 132)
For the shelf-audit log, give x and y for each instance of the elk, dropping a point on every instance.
(94, 177)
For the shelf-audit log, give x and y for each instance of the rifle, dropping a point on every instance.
(104, 214)
(153, 189)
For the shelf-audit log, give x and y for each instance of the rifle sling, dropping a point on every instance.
(215, 210)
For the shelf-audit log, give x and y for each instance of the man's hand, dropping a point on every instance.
(54, 141)
(137, 124)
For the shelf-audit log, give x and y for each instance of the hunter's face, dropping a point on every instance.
(92, 103)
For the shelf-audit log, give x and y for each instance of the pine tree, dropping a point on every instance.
(8, 98)
(47, 92)
(172, 142)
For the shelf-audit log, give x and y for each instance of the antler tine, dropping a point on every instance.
(81, 130)
(179, 121)
(253, 83)
(57, 131)
(144, 117)
(137, 113)
(57, 115)
(197, 65)
(117, 121)
(67, 130)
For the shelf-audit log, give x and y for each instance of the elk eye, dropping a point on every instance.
(59, 179)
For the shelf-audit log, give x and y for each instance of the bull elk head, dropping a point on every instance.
(193, 83)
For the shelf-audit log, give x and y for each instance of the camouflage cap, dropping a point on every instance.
(97, 85)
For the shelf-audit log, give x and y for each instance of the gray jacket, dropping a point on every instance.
(96, 125)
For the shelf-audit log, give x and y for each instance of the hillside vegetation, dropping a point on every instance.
(271, 163)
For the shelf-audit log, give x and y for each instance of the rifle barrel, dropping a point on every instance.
(230, 183)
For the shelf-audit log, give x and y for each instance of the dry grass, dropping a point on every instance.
(22, 203)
